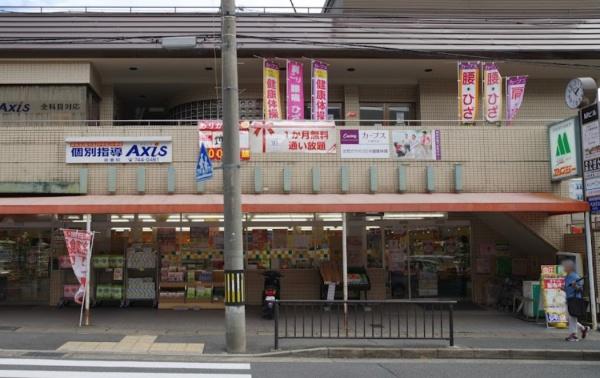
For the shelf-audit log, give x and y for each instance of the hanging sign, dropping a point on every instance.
(564, 142)
(515, 92)
(210, 133)
(364, 144)
(293, 137)
(590, 146)
(492, 93)
(468, 92)
(204, 167)
(320, 91)
(107, 150)
(271, 92)
(295, 90)
(79, 248)
(417, 144)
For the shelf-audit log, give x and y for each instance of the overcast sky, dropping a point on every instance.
(166, 3)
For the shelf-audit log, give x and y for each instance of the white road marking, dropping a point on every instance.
(89, 374)
(122, 364)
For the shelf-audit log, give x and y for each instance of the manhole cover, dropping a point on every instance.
(8, 328)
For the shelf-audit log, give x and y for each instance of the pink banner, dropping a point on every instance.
(492, 93)
(320, 91)
(515, 92)
(79, 247)
(295, 90)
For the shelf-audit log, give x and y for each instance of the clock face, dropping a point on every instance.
(574, 94)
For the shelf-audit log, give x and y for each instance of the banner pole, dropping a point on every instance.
(88, 227)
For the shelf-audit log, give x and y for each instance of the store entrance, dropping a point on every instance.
(428, 260)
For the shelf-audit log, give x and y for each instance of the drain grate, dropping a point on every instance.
(44, 354)
(8, 328)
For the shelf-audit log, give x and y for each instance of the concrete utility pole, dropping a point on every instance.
(235, 311)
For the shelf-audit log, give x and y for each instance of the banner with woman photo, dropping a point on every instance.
(416, 144)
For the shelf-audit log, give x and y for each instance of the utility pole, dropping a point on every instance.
(235, 310)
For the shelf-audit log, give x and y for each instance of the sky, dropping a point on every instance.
(158, 3)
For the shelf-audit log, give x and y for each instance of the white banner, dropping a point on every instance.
(364, 144)
(79, 247)
(293, 137)
(124, 150)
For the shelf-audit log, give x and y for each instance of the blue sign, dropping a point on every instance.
(594, 204)
(204, 167)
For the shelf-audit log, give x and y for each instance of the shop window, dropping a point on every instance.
(386, 114)
(335, 112)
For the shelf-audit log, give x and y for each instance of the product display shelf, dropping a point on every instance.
(141, 275)
(108, 284)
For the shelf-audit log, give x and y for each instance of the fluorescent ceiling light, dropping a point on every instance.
(413, 215)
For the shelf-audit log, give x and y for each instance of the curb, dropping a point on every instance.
(339, 353)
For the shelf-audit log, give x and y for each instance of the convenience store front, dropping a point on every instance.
(167, 251)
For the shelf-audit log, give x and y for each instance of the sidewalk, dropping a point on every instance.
(145, 330)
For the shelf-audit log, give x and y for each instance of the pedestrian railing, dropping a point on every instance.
(364, 319)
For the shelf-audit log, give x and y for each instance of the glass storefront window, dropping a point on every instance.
(389, 114)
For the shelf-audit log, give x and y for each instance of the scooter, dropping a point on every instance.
(271, 292)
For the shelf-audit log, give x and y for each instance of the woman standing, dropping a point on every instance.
(574, 290)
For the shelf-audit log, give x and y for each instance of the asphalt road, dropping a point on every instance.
(46, 368)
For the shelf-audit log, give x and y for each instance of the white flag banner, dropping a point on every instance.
(79, 247)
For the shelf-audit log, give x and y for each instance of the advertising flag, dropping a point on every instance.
(271, 92)
(295, 90)
(468, 91)
(320, 91)
(492, 93)
(79, 248)
(515, 92)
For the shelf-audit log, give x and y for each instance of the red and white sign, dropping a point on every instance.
(295, 90)
(293, 137)
(271, 92)
(210, 133)
(320, 91)
(515, 92)
(468, 93)
(79, 247)
(492, 92)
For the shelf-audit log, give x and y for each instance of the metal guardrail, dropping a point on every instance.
(364, 320)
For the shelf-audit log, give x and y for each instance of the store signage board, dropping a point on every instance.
(364, 144)
(594, 204)
(565, 152)
(590, 142)
(204, 167)
(119, 150)
(417, 144)
(311, 137)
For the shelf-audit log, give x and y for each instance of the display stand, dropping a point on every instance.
(108, 280)
(141, 274)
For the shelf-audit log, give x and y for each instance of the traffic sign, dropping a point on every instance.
(204, 167)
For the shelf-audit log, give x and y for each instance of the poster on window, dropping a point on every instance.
(295, 90)
(468, 93)
(271, 90)
(320, 91)
(210, 133)
(309, 137)
(417, 144)
(492, 93)
(364, 144)
(79, 248)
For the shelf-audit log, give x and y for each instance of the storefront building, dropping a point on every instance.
(474, 207)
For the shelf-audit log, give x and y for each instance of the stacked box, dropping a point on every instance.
(101, 261)
(115, 261)
(141, 288)
(141, 259)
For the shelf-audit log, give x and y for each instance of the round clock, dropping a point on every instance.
(581, 91)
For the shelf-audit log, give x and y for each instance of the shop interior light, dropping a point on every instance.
(205, 216)
(286, 216)
(121, 229)
(413, 215)
(147, 229)
(145, 216)
(119, 220)
(74, 217)
(332, 228)
(128, 216)
(149, 220)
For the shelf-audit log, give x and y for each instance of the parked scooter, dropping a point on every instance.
(271, 292)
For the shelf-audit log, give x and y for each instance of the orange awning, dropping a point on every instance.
(296, 203)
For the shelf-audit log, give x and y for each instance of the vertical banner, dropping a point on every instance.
(492, 92)
(271, 93)
(320, 91)
(295, 90)
(515, 92)
(468, 91)
(79, 247)
(554, 299)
